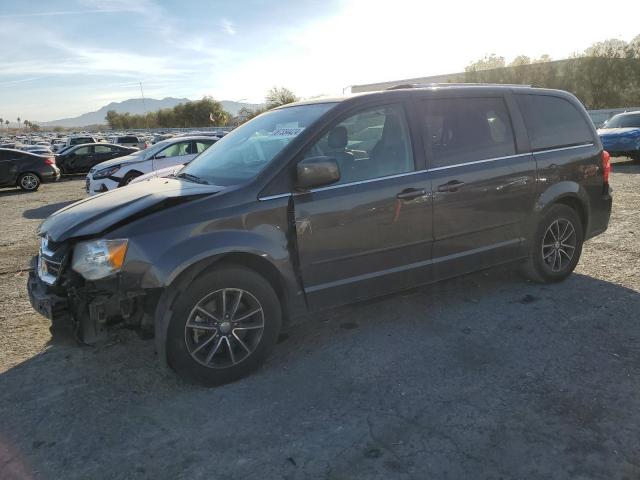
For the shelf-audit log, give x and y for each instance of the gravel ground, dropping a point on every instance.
(485, 376)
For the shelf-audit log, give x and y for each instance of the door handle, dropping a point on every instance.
(411, 193)
(451, 186)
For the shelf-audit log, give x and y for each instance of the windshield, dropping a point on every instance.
(623, 121)
(243, 153)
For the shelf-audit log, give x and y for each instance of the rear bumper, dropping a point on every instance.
(50, 175)
(600, 214)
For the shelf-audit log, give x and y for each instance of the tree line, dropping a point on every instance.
(200, 113)
(605, 75)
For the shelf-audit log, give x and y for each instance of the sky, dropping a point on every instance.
(62, 58)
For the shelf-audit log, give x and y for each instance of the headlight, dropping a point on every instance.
(99, 258)
(106, 172)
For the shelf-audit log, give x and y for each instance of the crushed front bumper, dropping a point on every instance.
(89, 310)
(48, 304)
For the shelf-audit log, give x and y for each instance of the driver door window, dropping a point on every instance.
(172, 155)
(371, 144)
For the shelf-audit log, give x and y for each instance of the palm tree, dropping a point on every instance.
(26, 124)
(18, 122)
(6, 122)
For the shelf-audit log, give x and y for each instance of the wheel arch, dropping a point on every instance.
(251, 260)
(566, 193)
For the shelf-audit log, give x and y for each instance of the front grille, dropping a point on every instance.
(51, 260)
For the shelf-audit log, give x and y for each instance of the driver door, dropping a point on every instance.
(78, 160)
(370, 233)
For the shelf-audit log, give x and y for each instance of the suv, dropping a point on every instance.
(130, 141)
(302, 208)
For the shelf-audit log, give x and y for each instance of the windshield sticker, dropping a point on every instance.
(286, 132)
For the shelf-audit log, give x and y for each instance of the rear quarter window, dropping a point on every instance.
(553, 122)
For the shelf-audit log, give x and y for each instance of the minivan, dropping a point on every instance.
(322, 203)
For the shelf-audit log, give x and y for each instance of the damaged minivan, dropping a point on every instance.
(322, 203)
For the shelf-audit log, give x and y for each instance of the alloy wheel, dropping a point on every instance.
(559, 244)
(224, 328)
(29, 181)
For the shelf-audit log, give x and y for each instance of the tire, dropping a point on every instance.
(126, 180)
(29, 182)
(550, 259)
(225, 348)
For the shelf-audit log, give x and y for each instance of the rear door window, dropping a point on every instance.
(553, 122)
(460, 130)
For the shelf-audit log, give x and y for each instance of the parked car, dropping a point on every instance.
(620, 135)
(26, 170)
(37, 149)
(120, 172)
(282, 217)
(130, 141)
(58, 144)
(81, 158)
(79, 140)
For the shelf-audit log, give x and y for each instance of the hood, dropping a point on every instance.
(617, 131)
(99, 213)
(121, 160)
(162, 173)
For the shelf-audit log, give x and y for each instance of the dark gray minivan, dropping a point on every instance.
(321, 203)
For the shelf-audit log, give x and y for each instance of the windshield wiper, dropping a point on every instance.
(192, 178)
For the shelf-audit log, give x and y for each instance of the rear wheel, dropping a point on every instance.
(29, 182)
(223, 326)
(556, 246)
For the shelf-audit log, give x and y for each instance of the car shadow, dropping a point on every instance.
(488, 373)
(9, 192)
(45, 210)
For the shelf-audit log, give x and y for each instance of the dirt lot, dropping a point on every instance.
(486, 376)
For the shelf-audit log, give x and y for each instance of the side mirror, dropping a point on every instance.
(160, 156)
(317, 172)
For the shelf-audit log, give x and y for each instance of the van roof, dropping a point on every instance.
(408, 88)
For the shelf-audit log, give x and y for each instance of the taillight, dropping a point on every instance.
(50, 161)
(606, 166)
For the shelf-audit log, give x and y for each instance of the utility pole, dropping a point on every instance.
(144, 106)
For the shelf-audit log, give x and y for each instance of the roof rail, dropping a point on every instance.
(461, 84)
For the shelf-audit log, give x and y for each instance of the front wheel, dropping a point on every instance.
(128, 178)
(29, 182)
(223, 326)
(556, 246)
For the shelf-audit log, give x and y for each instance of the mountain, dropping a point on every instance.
(135, 106)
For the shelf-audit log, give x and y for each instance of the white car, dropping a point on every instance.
(121, 171)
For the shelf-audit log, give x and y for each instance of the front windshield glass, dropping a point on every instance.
(624, 121)
(243, 153)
